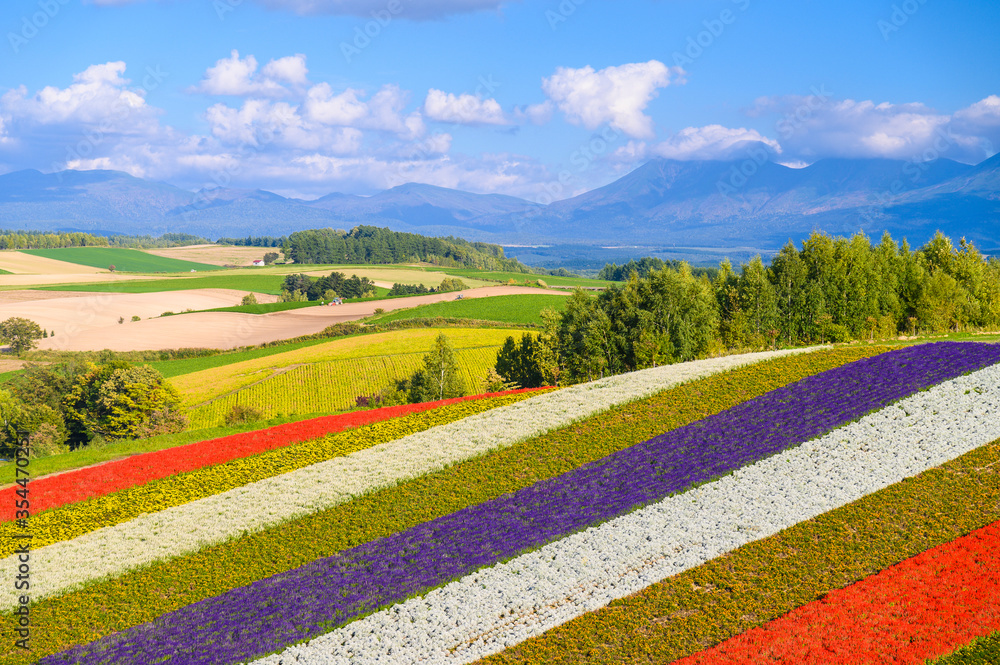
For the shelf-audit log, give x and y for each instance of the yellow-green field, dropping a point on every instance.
(327, 377)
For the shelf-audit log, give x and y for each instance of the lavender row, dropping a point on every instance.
(303, 603)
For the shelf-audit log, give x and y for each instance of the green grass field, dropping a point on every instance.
(5, 272)
(522, 278)
(264, 283)
(506, 309)
(265, 308)
(124, 260)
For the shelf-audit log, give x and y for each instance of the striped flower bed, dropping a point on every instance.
(192, 526)
(82, 484)
(70, 521)
(529, 594)
(480, 536)
(925, 606)
(108, 607)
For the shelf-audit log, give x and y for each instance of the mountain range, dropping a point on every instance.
(662, 203)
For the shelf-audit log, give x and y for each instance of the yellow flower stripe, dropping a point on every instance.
(73, 520)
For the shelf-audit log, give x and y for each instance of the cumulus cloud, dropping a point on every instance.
(238, 77)
(810, 128)
(463, 109)
(384, 111)
(99, 94)
(615, 95)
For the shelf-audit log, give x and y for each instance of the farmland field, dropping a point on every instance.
(330, 374)
(124, 260)
(331, 386)
(509, 309)
(261, 280)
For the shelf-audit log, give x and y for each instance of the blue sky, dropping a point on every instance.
(531, 98)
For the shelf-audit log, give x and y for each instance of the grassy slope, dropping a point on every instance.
(124, 260)
(509, 309)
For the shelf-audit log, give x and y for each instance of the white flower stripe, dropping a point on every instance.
(184, 529)
(503, 605)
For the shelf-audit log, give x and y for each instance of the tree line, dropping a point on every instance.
(10, 239)
(830, 290)
(251, 241)
(619, 273)
(72, 404)
(300, 286)
(372, 245)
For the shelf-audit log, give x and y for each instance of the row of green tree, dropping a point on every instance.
(254, 241)
(447, 285)
(54, 240)
(68, 405)
(830, 290)
(372, 245)
(336, 285)
(620, 273)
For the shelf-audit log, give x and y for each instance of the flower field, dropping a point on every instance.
(813, 506)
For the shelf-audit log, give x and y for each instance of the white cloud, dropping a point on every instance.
(463, 109)
(713, 142)
(238, 76)
(98, 95)
(291, 69)
(614, 95)
(536, 114)
(324, 107)
(384, 111)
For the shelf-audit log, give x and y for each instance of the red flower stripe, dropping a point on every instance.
(81, 484)
(921, 608)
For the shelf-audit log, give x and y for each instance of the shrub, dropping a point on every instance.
(164, 421)
(449, 284)
(46, 440)
(243, 414)
(368, 401)
(20, 334)
(378, 311)
(136, 318)
(249, 299)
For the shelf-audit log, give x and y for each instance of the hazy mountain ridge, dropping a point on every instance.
(663, 201)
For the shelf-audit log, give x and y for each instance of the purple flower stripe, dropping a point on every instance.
(271, 614)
